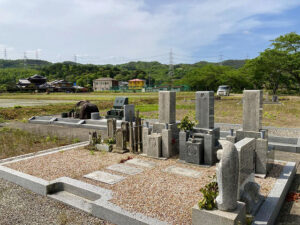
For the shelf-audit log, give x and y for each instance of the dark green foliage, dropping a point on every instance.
(210, 193)
(186, 124)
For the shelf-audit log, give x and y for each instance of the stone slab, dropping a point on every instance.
(183, 171)
(104, 177)
(121, 168)
(218, 217)
(142, 163)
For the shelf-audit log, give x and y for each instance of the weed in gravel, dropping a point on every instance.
(63, 218)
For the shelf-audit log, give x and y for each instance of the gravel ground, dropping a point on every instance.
(20, 206)
(153, 192)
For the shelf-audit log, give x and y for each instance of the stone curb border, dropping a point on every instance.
(97, 197)
(44, 152)
(269, 211)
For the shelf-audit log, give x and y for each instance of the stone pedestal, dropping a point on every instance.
(154, 145)
(194, 152)
(218, 217)
(166, 143)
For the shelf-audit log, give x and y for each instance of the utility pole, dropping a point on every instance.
(171, 67)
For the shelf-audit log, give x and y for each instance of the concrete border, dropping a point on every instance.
(44, 152)
(269, 211)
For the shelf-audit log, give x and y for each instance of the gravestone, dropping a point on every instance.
(263, 157)
(205, 109)
(146, 132)
(167, 107)
(227, 177)
(183, 137)
(252, 110)
(125, 128)
(120, 142)
(111, 128)
(128, 111)
(154, 145)
(95, 116)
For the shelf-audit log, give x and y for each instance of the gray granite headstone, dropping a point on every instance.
(183, 137)
(111, 127)
(167, 106)
(252, 110)
(128, 112)
(166, 143)
(205, 109)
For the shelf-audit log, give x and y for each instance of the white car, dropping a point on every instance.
(223, 90)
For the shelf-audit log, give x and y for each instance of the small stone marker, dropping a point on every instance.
(104, 177)
(140, 162)
(121, 168)
(111, 127)
(154, 145)
(183, 171)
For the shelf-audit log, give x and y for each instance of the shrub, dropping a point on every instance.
(186, 124)
(210, 193)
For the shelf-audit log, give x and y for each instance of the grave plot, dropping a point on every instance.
(162, 189)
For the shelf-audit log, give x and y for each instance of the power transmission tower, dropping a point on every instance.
(25, 58)
(171, 67)
(221, 59)
(36, 54)
(75, 58)
(5, 53)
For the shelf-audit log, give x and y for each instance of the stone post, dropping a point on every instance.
(227, 177)
(205, 109)
(146, 132)
(111, 128)
(252, 110)
(166, 143)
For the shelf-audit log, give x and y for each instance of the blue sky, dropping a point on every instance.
(117, 31)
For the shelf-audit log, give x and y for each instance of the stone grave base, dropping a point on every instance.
(218, 217)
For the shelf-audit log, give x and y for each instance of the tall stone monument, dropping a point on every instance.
(205, 109)
(167, 107)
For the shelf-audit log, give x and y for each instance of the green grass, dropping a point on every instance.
(18, 142)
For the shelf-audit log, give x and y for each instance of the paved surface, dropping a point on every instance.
(29, 102)
(290, 212)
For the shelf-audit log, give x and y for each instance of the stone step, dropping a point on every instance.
(73, 200)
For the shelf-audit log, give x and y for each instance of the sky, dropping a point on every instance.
(118, 31)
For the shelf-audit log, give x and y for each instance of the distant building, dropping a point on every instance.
(136, 84)
(34, 82)
(61, 85)
(105, 84)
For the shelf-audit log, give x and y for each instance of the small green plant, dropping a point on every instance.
(75, 140)
(92, 152)
(186, 124)
(210, 192)
(17, 107)
(110, 141)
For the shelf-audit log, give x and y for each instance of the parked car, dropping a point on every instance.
(223, 90)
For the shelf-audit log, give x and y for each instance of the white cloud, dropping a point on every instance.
(127, 28)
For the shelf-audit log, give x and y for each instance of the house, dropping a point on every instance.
(136, 84)
(61, 85)
(34, 82)
(105, 84)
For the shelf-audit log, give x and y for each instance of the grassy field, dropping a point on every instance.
(227, 110)
(18, 142)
